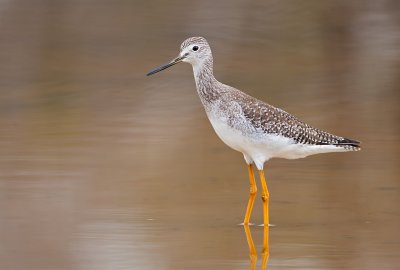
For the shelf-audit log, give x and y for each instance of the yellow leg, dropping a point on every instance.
(265, 197)
(253, 192)
(265, 252)
(252, 248)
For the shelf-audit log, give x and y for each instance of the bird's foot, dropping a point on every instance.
(246, 224)
(269, 225)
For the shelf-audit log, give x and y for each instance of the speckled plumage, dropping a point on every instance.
(273, 120)
(258, 130)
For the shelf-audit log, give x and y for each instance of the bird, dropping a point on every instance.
(246, 124)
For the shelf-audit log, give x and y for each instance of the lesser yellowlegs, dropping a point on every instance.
(256, 129)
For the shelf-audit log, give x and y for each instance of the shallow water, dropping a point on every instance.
(104, 168)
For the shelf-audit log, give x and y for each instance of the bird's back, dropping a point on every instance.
(276, 121)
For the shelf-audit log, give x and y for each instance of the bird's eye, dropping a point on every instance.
(195, 48)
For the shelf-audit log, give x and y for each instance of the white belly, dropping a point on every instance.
(259, 147)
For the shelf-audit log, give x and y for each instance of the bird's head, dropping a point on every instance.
(194, 50)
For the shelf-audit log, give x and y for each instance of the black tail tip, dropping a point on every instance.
(349, 142)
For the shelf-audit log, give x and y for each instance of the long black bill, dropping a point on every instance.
(165, 66)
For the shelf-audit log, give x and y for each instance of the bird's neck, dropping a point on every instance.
(206, 84)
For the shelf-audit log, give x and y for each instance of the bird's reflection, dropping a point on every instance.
(253, 251)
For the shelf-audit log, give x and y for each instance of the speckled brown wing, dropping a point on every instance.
(273, 120)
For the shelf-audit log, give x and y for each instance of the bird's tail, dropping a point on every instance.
(349, 144)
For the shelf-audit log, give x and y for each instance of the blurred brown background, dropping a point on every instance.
(102, 167)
